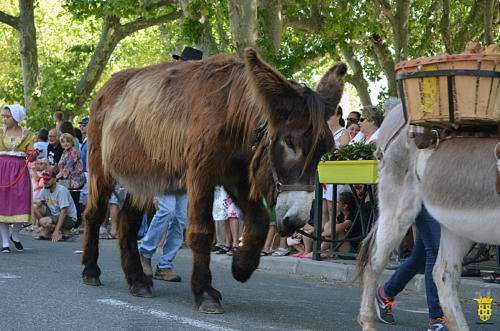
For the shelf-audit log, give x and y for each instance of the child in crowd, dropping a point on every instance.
(352, 127)
(225, 210)
(71, 169)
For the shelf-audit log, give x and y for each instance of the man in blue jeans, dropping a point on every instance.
(171, 213)
(424, 254)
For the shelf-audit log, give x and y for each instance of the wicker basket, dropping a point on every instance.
(446, 90)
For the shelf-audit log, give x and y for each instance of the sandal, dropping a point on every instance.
(492, 278)
(40, 237)
(281, 252)
(232, 250)
(222, 250)
(264, 253)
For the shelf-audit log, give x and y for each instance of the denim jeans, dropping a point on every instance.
(423, 254)
(172, 214)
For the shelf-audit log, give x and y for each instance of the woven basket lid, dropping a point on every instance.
(445, 57)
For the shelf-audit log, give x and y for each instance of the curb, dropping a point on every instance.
(346, 272)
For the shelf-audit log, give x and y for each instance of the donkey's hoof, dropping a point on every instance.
(91, 280)
(141, 290)
(210, 305)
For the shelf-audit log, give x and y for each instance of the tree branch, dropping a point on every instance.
(356, 79)
(142, 23)
(444, 27)
(313, 23)
(9, 20)
(385, 7)
(462, 37)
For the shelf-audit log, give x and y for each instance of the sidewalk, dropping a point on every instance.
(345, 271)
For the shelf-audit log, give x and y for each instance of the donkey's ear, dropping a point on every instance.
(331, 87)
(270, 86)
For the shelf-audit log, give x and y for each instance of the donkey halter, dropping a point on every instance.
(280, 187)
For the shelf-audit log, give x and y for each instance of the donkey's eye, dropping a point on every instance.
(288, 141)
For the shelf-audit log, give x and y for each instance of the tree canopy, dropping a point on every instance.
(56, 54)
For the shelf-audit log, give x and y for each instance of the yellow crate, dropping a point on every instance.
(348, 172)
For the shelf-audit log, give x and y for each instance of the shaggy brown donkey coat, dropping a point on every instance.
(182, 126)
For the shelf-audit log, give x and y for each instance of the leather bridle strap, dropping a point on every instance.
(279, 187)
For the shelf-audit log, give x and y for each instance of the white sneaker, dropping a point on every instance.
(281, 252)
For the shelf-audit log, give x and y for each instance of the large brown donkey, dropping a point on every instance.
(191, 126)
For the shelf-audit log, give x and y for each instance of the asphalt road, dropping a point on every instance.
(41, 289)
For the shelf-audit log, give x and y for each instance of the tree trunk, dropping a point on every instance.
(384, 58)
(357, 79)
(243, 23)
(271, 21)
(28, 49)
(488, 21)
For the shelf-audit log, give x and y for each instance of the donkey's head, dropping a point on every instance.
(297, 137)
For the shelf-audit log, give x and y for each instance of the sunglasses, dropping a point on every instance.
(83, 125)
(362, 119)
(352, 120)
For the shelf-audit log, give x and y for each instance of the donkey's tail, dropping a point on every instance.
(365, 251)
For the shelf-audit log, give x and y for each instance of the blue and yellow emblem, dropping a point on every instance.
(484, 308)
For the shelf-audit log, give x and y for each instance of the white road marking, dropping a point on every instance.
(9, 276)
(163, 315)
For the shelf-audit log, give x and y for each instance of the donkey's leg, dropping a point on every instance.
(392, 224)
(446, 275)
(129, 221)
(200, 237)
(94, 215)
(246, 259)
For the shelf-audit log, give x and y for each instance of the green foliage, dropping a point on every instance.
(356, 151)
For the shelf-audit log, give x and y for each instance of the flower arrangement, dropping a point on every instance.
(356, 151)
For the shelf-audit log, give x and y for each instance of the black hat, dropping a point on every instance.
(189, 53)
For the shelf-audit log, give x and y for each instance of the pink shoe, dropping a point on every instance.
(299, 254)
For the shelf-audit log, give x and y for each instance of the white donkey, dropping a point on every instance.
(456, 183)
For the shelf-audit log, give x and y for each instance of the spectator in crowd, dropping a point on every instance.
(54, 150)
(83, 127)
(114, 205)
(58, 118)
(346, 215)
(171, 214)
(15, 186)
(57, 213)
(225, 210)
(71, 169)
(369, 122)
(423, 255)
(78, 135)
(41, 164)
(84, 194)
(42, 142)
(355, 115)
(342, 138)
(352, 127)
(268, 244)
(67, 127)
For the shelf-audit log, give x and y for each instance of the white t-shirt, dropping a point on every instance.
(58, 199)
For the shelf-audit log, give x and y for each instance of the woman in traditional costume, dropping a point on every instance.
(15, 182)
